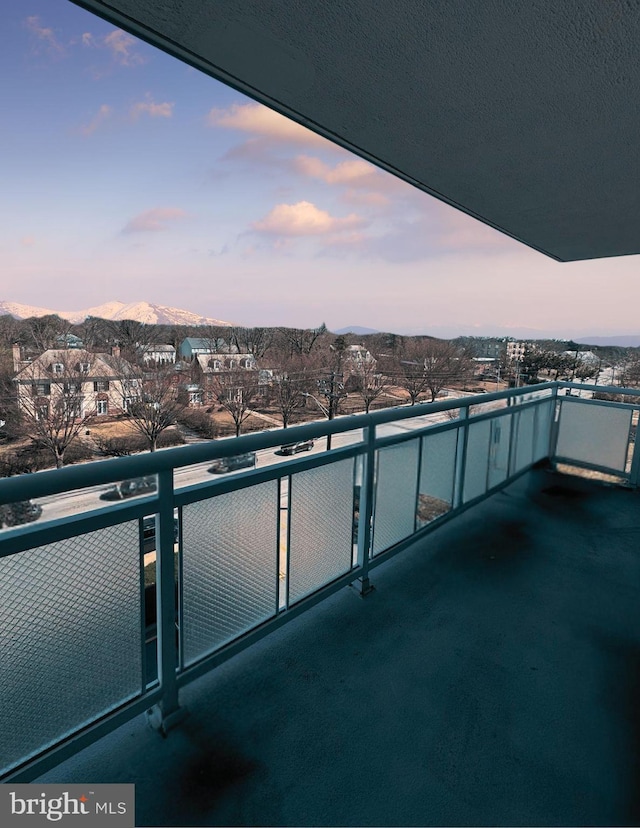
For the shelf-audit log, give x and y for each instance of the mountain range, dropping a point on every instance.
(152, 314)
(145, 312)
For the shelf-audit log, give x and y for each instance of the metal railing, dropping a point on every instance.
(105, 615)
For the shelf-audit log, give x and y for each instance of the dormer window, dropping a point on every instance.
(57, 368)
(84, 367)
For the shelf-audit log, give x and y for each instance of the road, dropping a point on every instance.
(78, 501)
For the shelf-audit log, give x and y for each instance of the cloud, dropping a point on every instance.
(153, 220)
(304, 219)
(88, 39)
(121, 45)
(152, 109)
(352, 171)
(28, 241)
(257, 119)
(369, 199)
(45, 35)
(102, 115)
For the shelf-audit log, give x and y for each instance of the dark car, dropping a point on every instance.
(131, 488)
(149, 533)
(23, 511)
(238, 461)
(294, 448)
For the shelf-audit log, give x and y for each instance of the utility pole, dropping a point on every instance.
(332, 389)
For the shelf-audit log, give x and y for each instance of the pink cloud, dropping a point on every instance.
(369, 199)
(346, 172)
(121, 45)
(45, 35)
(257, 119)
(304, 219)
(152, 109)
(154, 220)
(102, 115)
(28, 241)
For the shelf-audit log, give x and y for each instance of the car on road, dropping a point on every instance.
(131, 488)
(149, 533)
(294, 448)
(15, 514)
(238, 461)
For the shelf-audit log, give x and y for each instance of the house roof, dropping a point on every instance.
(203, 343)
(101, 365)
(523, 115)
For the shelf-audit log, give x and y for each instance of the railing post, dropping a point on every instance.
(634, 475)
(555, 424)
(167, 713)
(365, 510)
(461, 455)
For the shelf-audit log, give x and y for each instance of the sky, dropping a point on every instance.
(129, 176)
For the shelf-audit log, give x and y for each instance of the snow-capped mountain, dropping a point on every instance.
(140, 311)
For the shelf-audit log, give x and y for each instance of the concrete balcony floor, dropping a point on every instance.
(492, 678)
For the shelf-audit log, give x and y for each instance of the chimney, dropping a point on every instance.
(115, 351)
(17, 357)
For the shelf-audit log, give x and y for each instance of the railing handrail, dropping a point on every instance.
(111, 470)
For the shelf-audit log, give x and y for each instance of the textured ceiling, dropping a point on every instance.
(523, 114)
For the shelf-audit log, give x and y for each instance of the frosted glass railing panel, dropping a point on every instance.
(437, 473)
(395, 501)
(229, 566)
(525, 421)
(499, 450)
(476, 470)
(544, 419)
(321, 546)
(595, 434)
(70, 637)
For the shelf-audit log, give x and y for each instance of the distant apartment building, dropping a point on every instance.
(515, 351)
(88, 384)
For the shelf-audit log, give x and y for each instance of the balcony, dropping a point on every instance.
(489, 678)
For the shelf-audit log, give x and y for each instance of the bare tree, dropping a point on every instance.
(301, 340)
(45, 332)
(134, 338)
(52, 403)
(368, 383)
(235, 391)
(156, 406)
(255, 341)
(428, 366)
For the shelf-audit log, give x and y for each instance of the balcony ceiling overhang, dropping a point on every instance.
(523, 115)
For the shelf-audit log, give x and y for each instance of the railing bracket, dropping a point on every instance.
(363, 586)
(157, 720)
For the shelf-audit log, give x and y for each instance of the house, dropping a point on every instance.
(160, 354)
(194, 346)
(92, 384)
(69, 340)
(207, 366)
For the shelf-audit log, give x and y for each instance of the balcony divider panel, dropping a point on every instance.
(229, 567)
(477, 460)
(395, 496)
(321, 532)
(543, 422)
(70, 636)
(594, 434)
(499, 450)
(437, 475)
